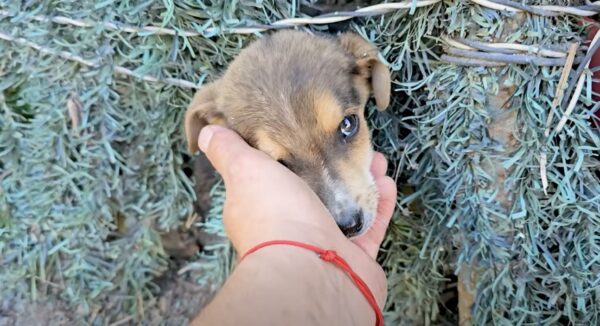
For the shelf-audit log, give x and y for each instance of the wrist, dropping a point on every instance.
(287, 285)
(361, 262)
(320, 289)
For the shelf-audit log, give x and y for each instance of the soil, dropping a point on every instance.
(178, 303)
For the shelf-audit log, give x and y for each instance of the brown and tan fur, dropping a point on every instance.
(286, 94)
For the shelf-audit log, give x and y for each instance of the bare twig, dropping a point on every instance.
(510, 48)
(455, 43)
(592, 49)
(108, 25)
(543, 174)
(74, 109)
(515, 6)
(193, 217)
(62, 54)
(329, 18)
(462, 61)
(572, 103)
(594, 46)
(557, 97)
(95, 63)
(589, 10)
(507, 58)
(560, 88)
(481, 46)
(367, 11)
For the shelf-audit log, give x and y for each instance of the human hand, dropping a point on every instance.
(266, 201)
(371, 240)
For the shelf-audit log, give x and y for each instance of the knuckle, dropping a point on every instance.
(239, 168)
(217, 140)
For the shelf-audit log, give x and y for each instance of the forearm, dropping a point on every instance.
(284, 285)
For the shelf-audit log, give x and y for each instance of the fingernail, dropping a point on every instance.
(204, 139)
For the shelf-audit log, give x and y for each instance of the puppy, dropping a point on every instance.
(300, 98)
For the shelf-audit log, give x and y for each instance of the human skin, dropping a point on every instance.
(286, 285)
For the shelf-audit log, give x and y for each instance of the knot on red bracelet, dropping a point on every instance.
(328, 255)
(331, 257)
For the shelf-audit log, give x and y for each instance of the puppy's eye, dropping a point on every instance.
(349, 126)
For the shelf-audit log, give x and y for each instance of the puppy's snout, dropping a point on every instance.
(353, 224)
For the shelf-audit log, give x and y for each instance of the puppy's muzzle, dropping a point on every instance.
(353, 224)
(352, 216)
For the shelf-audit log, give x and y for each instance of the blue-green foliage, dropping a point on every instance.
(468, 170)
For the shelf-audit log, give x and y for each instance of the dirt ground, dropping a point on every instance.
(179, 302)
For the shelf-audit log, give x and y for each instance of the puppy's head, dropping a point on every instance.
(300, 98)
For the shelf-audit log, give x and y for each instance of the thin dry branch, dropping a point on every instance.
(330, 18)
(557, 97)
(511, 48)
(506, 58)
(379, 9)
(469, 62)
(504, 5)
(594, 46)
(94, 63)
(560, 88)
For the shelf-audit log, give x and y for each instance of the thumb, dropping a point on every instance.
(224, 148)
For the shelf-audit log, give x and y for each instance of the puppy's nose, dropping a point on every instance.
(353, 225)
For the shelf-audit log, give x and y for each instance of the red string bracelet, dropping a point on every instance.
(332, 257)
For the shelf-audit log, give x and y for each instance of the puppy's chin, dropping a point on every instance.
(354, 214)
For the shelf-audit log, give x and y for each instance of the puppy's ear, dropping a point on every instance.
(369, 66)
(201, 112)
